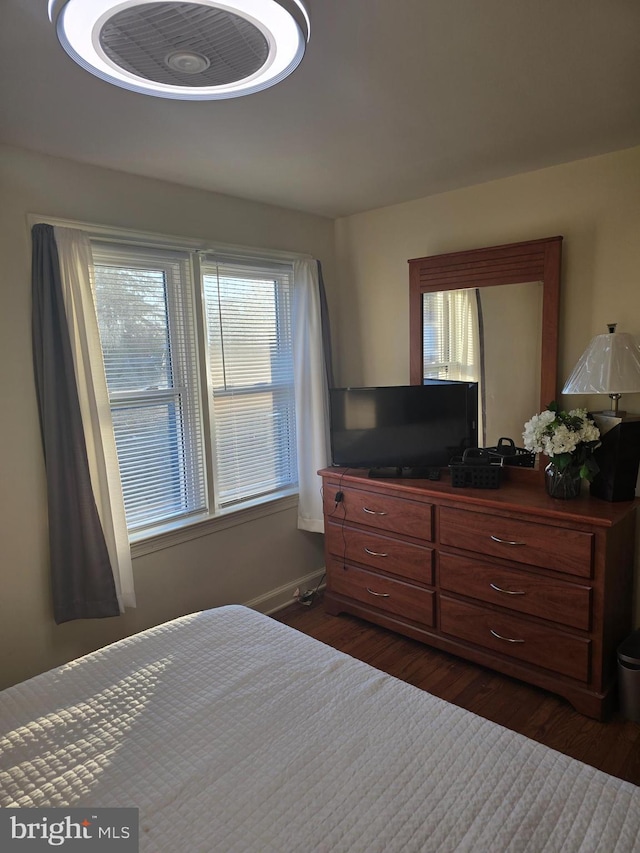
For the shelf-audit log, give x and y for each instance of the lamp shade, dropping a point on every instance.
(609, 365)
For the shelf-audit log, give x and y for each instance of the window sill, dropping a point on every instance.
(184, 531)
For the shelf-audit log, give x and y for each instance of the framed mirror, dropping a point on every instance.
(490, 315)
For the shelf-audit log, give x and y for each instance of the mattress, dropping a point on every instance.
(232, 732)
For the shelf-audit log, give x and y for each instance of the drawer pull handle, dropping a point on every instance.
(372, 511)
(507, 591)
(506, 639)
(375, 553)
(506, 541)
(378, 594)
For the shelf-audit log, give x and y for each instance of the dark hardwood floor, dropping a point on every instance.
(613, 746)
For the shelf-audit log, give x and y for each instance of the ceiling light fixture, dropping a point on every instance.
(194, 51)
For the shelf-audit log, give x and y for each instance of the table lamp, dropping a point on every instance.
(611, 365)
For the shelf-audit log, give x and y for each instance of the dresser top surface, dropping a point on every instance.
(521, 492)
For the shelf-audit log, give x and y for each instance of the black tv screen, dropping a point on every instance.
(403, 426)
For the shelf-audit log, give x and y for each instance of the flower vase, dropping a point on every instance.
(565, 484)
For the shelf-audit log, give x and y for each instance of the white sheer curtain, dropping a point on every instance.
(76, 270)
(464, 336)
(311, 392)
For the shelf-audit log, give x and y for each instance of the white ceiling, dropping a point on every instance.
(394, 100)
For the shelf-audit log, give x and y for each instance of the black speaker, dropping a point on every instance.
(618, 458)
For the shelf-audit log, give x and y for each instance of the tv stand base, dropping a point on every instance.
(404, 473)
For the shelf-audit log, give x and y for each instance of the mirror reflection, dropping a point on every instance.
(490, 335)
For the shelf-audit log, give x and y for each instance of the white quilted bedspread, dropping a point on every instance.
(232, 733)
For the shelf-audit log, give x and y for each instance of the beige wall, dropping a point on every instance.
(594, 204)
(237, 564)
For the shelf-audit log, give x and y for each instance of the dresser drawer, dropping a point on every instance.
(516, 637)
(558, 548)
(519, 590)
(398, 515)
(414, 562)
(392, 596)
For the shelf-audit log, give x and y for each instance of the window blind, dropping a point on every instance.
(147, 329)
(250, 355)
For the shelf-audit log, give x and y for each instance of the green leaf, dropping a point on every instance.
(562, 461)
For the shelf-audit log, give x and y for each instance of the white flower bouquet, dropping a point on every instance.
(567, 438)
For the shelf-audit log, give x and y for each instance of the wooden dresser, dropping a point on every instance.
(509, 578)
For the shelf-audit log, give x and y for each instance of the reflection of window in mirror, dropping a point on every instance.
(451, 340)
(451, 335)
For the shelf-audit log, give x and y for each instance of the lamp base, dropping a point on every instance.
(613, 413)
(618, 458)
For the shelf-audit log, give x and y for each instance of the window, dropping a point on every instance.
(169, 377)
(250, 348)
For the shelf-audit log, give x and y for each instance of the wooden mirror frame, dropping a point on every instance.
(514, 263)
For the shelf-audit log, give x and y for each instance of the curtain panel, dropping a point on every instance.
(312, 370)
(90, 561)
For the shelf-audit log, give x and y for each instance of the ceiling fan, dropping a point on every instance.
(195, 50)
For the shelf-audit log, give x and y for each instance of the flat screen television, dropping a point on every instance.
(403, 430)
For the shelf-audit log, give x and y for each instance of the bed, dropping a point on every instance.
(232, 732)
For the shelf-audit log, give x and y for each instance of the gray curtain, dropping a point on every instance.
(81, 574)
(326, 328)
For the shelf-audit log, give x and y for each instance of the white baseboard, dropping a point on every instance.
(283, 596)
